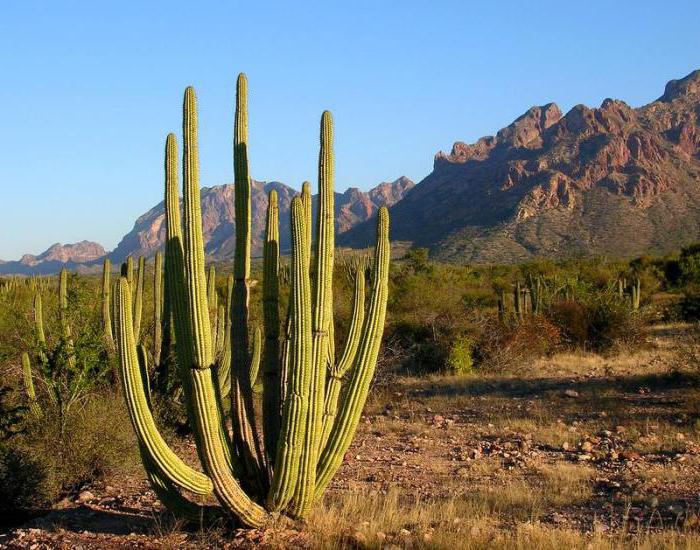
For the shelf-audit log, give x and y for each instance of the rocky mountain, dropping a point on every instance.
(610, 180)
(352, 207)
(74, 256)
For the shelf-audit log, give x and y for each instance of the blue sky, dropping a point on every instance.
(90, 89)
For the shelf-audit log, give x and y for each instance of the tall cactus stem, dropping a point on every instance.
(271, 317)
(365, 362)
(158, 311)
(106, 290)
(292, 433)
(245, 430)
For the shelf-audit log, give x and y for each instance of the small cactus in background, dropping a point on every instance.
(308, 422)
(518, 302)
(28, 380)
(106, 291)
(501, 297)
(636, 293)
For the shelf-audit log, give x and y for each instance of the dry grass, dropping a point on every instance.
(388, 521)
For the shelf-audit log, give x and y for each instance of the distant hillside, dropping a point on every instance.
(613, 180)
(74, 256)
(351, 207)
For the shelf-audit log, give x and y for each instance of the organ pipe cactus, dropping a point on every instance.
(28, 380)
(518, 301)
(106, 289)
(309, 419)
(157, 309)
(138, 297)
(636, 293)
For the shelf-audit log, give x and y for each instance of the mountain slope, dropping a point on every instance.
(613, 180)
(73, 256)
(351, 207)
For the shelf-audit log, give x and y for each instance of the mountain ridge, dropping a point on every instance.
(353, 206)
(611, 180)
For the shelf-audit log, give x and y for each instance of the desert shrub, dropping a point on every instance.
(689, 305)
(94, 441)
(22, 483)
(510, 347)
(598, 321)
(689, 264)
(460, 358)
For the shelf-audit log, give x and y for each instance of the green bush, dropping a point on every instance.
(96, 440)
(22, 483)
(598, 321)
(689, 306)
(460, 357)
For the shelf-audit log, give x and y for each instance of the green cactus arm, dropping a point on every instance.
(224, 367)
(255, 356)
(195, 275)
(39, 328)
(211, 289)
(180, 506)
(242, 409)
(224, 363)
(63, 302)
(271, 318)
(296, 404)
(157, 309)
(176, 287)
(106, 320)
(155, 448)
(337, 372)
(128, 271)
(211, 438)
(307, 201)
(138, 298)
(28, 380)
(322, 318)
(220, 330)
(365, 362)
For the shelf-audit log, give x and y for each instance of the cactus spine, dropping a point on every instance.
(308, 423)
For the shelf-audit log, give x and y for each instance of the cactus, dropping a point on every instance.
(535, 289)
(308, 421)
(138, 297)
(106, 318)
(28, 380)
(157, 310)
(518, 301)
(501, 302)
(636, 293)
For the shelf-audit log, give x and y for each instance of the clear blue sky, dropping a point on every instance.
(90, 89)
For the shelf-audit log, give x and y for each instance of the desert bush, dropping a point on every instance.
(22, 483)
(689, 264)
(53, 458)
(598, 321)
(460, 358)
(689, 305)
(510, 347)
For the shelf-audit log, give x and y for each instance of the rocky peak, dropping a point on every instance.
(527, 129)
(688, 86)
(81, 252)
